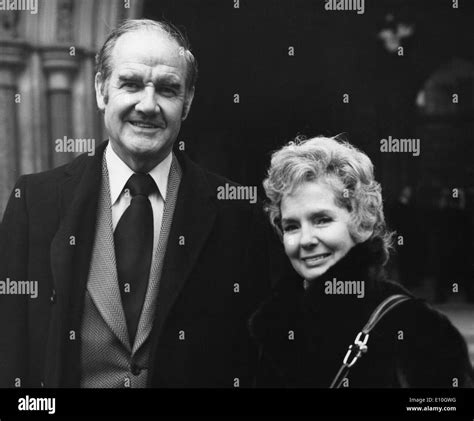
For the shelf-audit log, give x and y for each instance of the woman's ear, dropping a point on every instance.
(365, 235)
(358, 233)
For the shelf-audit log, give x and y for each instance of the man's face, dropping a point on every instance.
(145, 97)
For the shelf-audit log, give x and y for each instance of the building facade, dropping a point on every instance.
(47, 99)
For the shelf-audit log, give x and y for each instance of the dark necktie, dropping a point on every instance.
(133, 239)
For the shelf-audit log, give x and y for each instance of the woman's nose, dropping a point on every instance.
(309, 237)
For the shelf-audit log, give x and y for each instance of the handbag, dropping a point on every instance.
(360, 347)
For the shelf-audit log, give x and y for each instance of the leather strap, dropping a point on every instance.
(360, 347)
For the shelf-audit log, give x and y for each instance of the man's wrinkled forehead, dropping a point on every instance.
(148, 48)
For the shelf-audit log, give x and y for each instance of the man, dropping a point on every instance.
(144, 277)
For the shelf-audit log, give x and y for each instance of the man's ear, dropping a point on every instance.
(187, 103)
(100, 91)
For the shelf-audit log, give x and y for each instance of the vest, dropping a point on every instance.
(107, 358)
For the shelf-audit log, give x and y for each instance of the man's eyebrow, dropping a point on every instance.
(169, 80)
(129, 76)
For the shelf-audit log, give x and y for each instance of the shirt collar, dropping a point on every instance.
(119, 173)
(160, 174)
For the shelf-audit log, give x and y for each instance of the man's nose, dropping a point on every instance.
(309, 237)
(148, 103)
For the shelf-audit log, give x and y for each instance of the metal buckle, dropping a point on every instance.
(358, 348)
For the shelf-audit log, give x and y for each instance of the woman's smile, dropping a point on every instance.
(315, 260)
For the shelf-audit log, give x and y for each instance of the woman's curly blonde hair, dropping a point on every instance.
(346, 169)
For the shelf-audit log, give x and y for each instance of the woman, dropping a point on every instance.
(327, 209)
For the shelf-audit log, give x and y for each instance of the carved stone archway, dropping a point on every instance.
(46, 81)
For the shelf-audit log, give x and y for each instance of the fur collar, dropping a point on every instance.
(318, 320)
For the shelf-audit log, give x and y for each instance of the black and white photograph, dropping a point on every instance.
(239, 202)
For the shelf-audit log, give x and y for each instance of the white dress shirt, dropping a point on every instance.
(119, 173)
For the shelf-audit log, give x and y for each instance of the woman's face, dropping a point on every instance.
(315, 230)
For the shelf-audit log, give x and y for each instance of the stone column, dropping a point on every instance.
(60, 67)
(12, 53)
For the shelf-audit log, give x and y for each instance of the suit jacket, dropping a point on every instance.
(106, 361)
(412, 346)
(220, 260)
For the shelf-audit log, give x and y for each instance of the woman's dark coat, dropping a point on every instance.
(304, 335)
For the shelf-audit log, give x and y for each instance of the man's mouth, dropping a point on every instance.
(310, 260)
(145, 125)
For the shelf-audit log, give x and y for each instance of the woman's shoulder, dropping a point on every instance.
(431, 350)
(418, 311)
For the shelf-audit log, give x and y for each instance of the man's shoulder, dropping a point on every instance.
(224, 191)
(194, 168)
(54, 175)
(217, 180)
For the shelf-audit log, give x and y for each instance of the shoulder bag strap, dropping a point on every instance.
(359, 346)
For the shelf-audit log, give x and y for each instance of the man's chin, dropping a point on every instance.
(145, 146)
(141, 150)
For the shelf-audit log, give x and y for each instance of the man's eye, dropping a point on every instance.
(130, 85)
(167, 91)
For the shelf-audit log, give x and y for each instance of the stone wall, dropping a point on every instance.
(47, 81)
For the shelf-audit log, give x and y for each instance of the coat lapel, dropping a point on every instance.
(192, 224)
(103, 284)
(70, 254)
(146, 319)
(72, 246)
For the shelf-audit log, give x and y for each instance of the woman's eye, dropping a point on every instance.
(323, 220)
(289, 228)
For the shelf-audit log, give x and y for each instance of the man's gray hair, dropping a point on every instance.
(102, 59)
